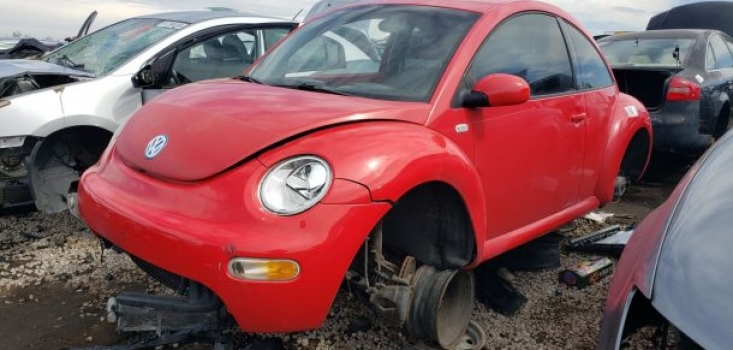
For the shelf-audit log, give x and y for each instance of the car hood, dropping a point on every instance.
(12, 68)
(6, 44)
(210, 127)
(693, 282)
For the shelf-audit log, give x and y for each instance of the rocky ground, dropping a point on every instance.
(55, 280)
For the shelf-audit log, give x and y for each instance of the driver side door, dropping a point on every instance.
(219, 53)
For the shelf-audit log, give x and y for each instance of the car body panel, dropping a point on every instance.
(629, 117)
(692, 286)
(677, 257)
(196, 114)
(380, 167)
(205, 192)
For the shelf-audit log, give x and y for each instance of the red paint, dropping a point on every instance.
(503, 89)
(521, 169)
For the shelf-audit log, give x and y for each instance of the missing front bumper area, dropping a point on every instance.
(195, 314)
(201, 309)
(156, 320)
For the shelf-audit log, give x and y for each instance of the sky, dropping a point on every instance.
(59, 19)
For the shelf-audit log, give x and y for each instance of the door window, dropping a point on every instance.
(272, 35)
(225, 55)
(710, 59)
(530, 46)
(723, 59)
(592, 72)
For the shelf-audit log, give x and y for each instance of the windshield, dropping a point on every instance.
(647, 52)
(107, 49)
(391, 52)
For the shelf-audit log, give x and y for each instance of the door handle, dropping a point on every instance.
(577, 118)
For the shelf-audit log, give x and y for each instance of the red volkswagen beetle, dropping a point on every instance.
(397, 144)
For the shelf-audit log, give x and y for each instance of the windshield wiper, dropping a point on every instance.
(249, 79)
(315, 88)
(67, 62)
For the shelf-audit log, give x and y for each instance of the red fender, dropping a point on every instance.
(628, 118)
(389, 159)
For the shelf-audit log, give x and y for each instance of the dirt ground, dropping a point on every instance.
(54, 286)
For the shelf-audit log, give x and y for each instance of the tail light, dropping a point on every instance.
(679, 89)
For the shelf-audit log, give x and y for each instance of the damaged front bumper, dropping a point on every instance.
(195, 230)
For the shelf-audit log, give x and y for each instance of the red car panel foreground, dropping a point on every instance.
(446, 134)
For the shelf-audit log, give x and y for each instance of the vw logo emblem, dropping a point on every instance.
(155, 146)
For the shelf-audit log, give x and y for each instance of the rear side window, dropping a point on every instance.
(530, 46)
(723, 59)
(710, 59)
(273, 35)
(592, 72)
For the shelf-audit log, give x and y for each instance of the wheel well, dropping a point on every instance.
(58, 160)
(90, 139)
(640, 314)
(645, 324)
(722, 123)
(431, 223)
(635, 157)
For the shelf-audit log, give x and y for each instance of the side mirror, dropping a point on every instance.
(144, 77)
(154, 73)
(495, 90)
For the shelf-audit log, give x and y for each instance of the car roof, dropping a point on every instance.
(662, 33)
(192, 17)
(466, 5)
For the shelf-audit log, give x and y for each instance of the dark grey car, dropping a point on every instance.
(685, 79)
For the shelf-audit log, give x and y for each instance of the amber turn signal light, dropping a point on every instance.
(263, 269)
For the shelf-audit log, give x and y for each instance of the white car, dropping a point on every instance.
(58, 114)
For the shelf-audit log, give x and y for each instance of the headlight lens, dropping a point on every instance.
(295, 185)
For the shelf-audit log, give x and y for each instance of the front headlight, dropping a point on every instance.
(295, 185)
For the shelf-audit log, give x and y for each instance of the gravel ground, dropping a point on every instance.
(54, 285)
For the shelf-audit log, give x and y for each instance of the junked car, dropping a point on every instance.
(684, 77)
(672, 285)
(58, 113)
(25, 47)
(12, 48)
(477, 127)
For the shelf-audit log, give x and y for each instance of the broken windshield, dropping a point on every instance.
(105, 50)
(390, 52)
(658, 52)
